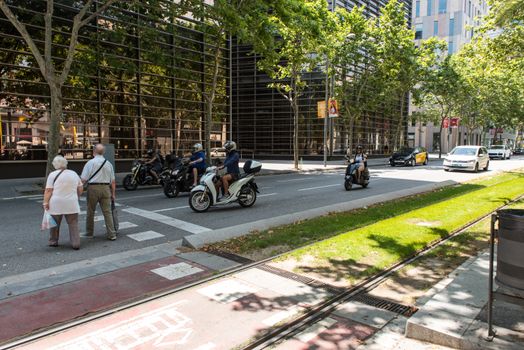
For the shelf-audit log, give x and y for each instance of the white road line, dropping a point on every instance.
(301, 179)
(141, 196)
(182, 225)
(169, 209)
(267, 195)
(33, 196)
(318, 187)
(145, 236)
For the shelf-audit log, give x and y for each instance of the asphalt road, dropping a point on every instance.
(155, 219)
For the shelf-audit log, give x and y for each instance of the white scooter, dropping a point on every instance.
(244, 190)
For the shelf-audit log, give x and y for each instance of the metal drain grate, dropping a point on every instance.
(230, 256)
(400, 309)
(303, 279)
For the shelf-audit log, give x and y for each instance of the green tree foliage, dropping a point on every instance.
(304, 29)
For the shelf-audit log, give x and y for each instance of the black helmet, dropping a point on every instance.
(150, 152)
(359, 147)
(230, 146)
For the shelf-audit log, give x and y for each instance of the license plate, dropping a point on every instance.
(460, 165)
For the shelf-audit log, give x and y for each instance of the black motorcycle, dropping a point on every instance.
(180, 179)
(351, 177)
(141, 176)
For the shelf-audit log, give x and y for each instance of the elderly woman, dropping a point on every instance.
(61, 199)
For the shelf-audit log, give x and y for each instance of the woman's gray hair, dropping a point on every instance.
(59, 162)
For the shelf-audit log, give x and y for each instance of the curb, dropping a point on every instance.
(199, 240)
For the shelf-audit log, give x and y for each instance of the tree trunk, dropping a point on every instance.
(53, 139)
(398, 140)
(440, 137)
(207, 129)
(294, 104)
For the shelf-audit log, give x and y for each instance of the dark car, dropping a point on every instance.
(518, 151)
(409, 156)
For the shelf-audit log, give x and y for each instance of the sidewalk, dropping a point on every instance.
(454, 314)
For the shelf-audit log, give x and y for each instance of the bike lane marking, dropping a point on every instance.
(167, 220)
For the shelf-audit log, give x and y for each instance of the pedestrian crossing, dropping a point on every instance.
(128, 229)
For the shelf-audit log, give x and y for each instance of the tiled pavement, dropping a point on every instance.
(222, 314)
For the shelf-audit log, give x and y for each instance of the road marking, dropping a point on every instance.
(227, 291)
(169, 209)
(141, 196)
(176, 271)
(126, 224)
(98, 218)
(292, 180)
(32, 196)
(318, 187)
(267, 195)
(145, 236)
(182, 225)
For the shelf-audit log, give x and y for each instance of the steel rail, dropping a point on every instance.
(273, 336)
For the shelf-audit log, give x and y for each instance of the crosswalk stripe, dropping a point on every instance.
(182, 225)
(145, 236)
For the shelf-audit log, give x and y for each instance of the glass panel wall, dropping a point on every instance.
(137, 82)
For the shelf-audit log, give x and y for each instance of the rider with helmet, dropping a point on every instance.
(155, 163)
(197, 162)
(359, 160)
(231, 164)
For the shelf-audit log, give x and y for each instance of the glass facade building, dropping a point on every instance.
(138, 82)
(263, 120)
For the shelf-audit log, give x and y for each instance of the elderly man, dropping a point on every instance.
(99, 175)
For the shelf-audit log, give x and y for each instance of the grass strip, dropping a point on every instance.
(368, 250)
(259, 245)
(411, 282)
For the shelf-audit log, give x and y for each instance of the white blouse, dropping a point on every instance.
(64, 199)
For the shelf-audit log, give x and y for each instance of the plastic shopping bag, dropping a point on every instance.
(47, 221)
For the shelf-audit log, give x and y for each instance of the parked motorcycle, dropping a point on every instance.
(179, 180)
(351, 177)
(244, 190)
(141, 176)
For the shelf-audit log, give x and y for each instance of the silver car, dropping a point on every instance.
(470, 158)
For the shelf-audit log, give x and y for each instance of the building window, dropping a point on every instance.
(418, 31)
(451, 47)
(442, 6)
(465, 6)
(451, 26)
(430, 7)
(417, 8)
(435, 28)
(469, 8)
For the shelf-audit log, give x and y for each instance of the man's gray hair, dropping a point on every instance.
(100, 149)
(59, 162)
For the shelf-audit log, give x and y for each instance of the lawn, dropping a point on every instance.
(359, 243)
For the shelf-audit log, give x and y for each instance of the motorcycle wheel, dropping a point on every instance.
(129, 184)
(348, 185)
(365, 185)
(171, 189)
(247, 197)
(200, 201)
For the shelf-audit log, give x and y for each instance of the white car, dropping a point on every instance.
(471, 158)
(499, 151)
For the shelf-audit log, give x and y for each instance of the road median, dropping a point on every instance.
(345, 247)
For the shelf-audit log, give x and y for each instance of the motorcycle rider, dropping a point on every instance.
(155, 164)
(231, 164)
(197, 162)
(358, 161)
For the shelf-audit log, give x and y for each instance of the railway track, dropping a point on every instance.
(286, 330)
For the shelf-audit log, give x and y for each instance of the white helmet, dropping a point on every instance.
(197, 147)
(230, 146)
